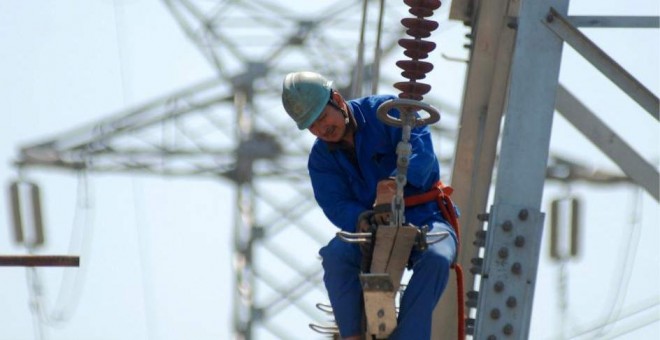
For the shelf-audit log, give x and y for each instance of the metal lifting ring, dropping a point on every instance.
(403, 104)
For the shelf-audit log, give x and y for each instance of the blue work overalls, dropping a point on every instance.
(344, 191)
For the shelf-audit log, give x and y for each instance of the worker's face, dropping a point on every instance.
(331, 125)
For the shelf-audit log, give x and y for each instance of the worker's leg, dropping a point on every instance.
(429, 279)
(341, 263)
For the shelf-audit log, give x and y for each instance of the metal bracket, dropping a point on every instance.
(379, 304)
(513, 242)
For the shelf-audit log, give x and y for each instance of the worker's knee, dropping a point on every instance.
(440, 255)
(439, 258)
(339, 256)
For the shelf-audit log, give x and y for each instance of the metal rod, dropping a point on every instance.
(359, 71)
(433, 238)
(378, 51)
(39, 261)
(614, 21)
(354, 237)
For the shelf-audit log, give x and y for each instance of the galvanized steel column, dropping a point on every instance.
(515, 225)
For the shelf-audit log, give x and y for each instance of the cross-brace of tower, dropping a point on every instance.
(233, 127)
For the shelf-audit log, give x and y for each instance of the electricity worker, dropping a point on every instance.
(352, 166)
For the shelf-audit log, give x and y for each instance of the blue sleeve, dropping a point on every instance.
(333, 192)
(423, 168)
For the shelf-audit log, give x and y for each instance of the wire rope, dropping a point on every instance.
(622, 316)
(141, 233)
(72, 282)
(625, 266)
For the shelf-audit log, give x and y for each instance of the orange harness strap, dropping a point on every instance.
(440, 193)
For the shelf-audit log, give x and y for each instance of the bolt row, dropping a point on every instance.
(499, 286)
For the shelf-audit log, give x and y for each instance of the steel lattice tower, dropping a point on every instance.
(234, 127)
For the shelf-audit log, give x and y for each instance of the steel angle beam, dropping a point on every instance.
(483, 104)
(614, 21)
(525, 143)
(632, 164)
(604, 63)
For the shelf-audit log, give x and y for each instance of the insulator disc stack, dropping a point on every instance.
(416, 48)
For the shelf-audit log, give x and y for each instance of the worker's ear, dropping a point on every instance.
(336, 96)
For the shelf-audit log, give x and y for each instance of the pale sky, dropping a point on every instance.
(158, 257)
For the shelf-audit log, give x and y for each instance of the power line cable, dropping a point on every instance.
(639, 325)
(625, 266)
(81, 238)
(144, 263)
(72, 282)
(125, 92)
(629, 314)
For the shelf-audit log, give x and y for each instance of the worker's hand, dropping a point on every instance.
(364, 221)
(385, 192)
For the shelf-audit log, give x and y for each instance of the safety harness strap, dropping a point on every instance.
(440, 193)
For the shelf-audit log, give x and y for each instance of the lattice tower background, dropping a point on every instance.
(234, 127)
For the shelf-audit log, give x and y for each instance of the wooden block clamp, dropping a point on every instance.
(391, 252)
(390, 256)
(39, 261)
(379, 306)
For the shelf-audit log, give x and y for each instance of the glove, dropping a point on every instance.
(364, 221)
(385, 192)
(364, 225)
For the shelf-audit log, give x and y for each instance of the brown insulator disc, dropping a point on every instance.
(417, 45)
(414, 69)
(413, 87)
(419, 28)
(422, 8)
